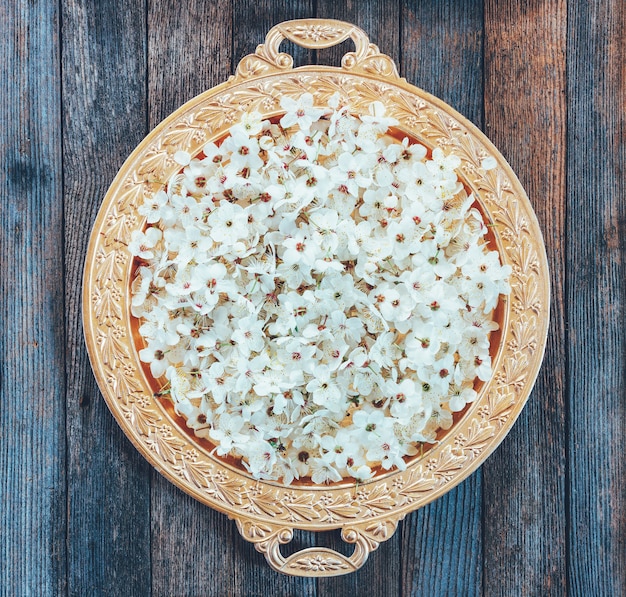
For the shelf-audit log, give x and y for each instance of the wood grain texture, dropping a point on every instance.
(442, 53)
(32, 379)
(524, 518)
(596, 296)
(189, 51)
(104, 117)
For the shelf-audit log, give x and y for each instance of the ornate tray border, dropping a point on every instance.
(266, 513)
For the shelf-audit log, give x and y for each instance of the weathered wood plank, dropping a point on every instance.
(380, 23)
(189, 51)
(596, 296)
(442, 53)
(32, 379)
(524, 526)
(104, 113)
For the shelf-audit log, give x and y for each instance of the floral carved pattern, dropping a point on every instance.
(319, 563)
(368, 513)
(315, 32)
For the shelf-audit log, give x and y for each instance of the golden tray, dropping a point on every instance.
(267, 512)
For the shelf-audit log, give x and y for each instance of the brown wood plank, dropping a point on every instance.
(104, 113)
(32, 379)
(442, 53)
(525, 116)
(596, 296)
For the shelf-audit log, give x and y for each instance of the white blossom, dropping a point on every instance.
(317, 295)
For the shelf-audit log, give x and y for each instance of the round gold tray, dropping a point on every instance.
(267, 512)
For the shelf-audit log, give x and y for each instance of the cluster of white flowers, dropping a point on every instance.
(317, 293)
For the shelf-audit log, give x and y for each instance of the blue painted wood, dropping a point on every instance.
(596, 297)
(32, 336)
(104, 109)
(524, 516)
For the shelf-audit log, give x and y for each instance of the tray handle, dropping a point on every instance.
(316, 561)
(315, 34)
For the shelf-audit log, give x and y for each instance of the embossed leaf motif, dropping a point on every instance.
(525, 261)
(446, 465)
(498, 187)
(155, 162)
(110, 265)
(381, 530)
(132, 196)
(507, 214)
(500, 402)
(291, 86)
(253, 531)
(112, 344)
(478, 435)
(368, 92)
(528, 297)
(142, 419)
(186, 134)
(440, 127)
(124, 383)
(198, 473)
(215, 115)
(474, 154)
(342, 507)
(408, 108)
(166, 446)
(263, 502)
(300, 507)
(418, 486)
(331, 85)
(381, 66)
(203, 476)
(120, 227)
(106, 303)
(376, 501)
(229, 491)
(524, 337)
(514, 372)
(256, 97)
(255, 66)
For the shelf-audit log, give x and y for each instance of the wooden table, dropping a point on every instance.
(82, 82)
